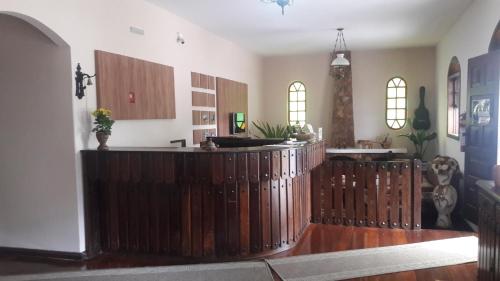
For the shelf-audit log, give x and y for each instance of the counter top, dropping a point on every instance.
(201, 150)
(365, 150)
(489, 187)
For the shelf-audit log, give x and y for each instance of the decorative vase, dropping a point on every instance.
(102, 138)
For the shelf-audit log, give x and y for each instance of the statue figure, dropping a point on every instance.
(444, 195)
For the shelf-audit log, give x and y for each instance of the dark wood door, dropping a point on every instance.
(482, 131)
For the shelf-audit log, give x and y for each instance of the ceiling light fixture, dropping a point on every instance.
(281, 3)
(340, 60)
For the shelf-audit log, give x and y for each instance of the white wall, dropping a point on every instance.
(468, 38)
(104, 25)
(372, 69)
(37, 140)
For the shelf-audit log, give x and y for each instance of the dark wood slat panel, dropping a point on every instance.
(338, 173)
(360, 190)
(266, 214)
(283, 212)
(253, 167)
(196, 219)
(382, 196)
(289, 210)
(220, 220)
(275, 214)
(394, 213)
(417, 194)
(328, 193)
(242, 167)
(406, 196)
(349, 193)
(371, 178)
(276, 165)
(316, 195)
(244, 212)
(255, 218)
(300, 162)
(285, 163)
(230, 167)
(233, 222)
(265, 166)
(293, 163)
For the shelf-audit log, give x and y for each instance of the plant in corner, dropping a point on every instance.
(420, 139)
(103, 124)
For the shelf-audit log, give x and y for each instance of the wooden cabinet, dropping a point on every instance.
(133, 88)
(489, 235)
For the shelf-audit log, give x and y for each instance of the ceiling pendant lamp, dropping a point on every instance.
(281, 3)
(340, 60)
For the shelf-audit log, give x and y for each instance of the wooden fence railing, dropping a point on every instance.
(374, 194)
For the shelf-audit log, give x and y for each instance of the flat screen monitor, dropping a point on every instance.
(237, 123)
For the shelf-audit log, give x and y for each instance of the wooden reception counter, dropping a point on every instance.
(189, 202)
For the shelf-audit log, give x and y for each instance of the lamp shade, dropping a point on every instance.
(340, 61)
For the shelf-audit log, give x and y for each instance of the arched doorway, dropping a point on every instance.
(38, 197)
(454, 85)
(495, 39)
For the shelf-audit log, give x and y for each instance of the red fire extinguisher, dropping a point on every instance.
(463, 131)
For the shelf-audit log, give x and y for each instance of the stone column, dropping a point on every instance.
(343, 121)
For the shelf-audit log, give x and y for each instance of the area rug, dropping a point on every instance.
(245, 271)
(376, 261)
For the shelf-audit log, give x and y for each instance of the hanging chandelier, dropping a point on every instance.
(340, 61)
(281, 3)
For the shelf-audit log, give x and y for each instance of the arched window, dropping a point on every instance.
(297, 104)
(395, 114)
(454, 98)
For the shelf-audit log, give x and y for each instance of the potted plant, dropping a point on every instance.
(420, 139)
(273, 132)
(419, 133)
(103, 124)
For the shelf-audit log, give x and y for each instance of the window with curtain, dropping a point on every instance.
(297, 104)
(396, 103)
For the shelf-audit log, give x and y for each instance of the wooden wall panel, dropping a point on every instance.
(134, 89)
(202, 81)
(196, 117)
(232, 96)
(195, 80)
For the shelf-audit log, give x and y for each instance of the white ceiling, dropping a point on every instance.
(309, 25)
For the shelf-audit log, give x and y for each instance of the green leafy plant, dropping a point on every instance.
(420, 139)
(103, 122)
(273, 132)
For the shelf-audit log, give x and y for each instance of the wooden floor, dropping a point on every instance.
(317, 239)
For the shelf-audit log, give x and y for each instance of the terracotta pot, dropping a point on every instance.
(102, 138)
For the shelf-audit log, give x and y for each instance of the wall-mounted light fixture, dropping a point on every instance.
(80, 78)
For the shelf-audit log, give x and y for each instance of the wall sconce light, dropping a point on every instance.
(80, 78)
